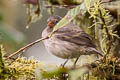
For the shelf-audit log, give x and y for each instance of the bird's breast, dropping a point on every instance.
(62, 49)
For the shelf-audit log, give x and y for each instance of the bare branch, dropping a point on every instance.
(27, 46)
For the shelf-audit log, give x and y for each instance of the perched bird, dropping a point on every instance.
(69, 41)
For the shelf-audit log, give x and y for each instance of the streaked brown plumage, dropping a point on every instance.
(69, 41)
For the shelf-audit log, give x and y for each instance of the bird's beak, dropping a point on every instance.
(51, 24)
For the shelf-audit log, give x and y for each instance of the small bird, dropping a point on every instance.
(69, 41)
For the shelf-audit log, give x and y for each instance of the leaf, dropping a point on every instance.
(80, 9)
(38, 74)
(77, 73)
(33, 11)
(51, 71)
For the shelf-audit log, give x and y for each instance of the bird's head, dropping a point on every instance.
(53, 20)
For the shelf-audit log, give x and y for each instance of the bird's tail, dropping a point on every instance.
(95, 51)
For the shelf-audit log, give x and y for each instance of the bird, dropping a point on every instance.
(69, 41)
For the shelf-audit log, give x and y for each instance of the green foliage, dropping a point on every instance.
(20, 69)
(54, 73)
(4, 72)
(7, 37)
(101, 17)
(33, 13)
(108, 70)
(99, 20)
(81, 9)
(64, 2)
(77, 73)
(8, 34)
(1, 16)
(23, 69)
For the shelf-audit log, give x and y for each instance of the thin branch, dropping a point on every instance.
(27, 46)
(61, 6)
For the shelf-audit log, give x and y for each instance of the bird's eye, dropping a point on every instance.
(56, 21)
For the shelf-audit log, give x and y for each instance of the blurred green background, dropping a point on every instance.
(14, 35)
(13, 32)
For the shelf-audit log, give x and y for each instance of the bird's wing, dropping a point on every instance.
(78, 37)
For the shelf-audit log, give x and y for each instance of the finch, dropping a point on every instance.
(69, 41)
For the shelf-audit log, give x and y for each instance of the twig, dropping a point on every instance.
(27, 46)
(61, 6)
